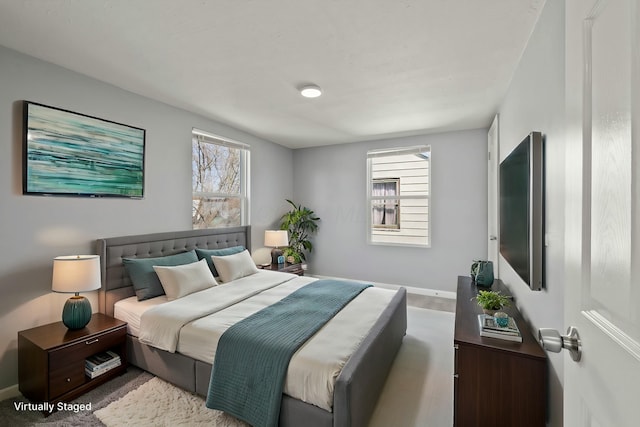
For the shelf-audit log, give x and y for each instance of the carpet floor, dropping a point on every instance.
(418, 391)
(159, 403)
(100, 397)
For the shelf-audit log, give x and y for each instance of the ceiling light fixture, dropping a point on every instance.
(310, 91)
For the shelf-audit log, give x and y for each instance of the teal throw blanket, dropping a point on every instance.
(253, 355)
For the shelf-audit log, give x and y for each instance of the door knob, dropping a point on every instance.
(551, 340)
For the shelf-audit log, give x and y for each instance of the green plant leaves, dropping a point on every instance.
(300, 222)
(492, 300)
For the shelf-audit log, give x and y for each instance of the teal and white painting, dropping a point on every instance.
(67, 153)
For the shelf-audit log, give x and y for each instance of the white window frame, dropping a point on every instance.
(245, 155)
(418, 150)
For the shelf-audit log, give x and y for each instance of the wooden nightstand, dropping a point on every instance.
(51, 358)
(286, 268)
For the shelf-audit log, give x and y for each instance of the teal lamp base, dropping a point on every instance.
(76, 312)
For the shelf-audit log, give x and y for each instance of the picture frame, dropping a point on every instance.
(73, 154)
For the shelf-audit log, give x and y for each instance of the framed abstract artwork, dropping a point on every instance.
(73, 154)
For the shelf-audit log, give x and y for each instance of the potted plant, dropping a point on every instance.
(300, 222)
(492, 301)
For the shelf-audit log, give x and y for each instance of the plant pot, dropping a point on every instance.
(489, 312)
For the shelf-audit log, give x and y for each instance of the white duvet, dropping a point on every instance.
(160, 326)
(192, 325)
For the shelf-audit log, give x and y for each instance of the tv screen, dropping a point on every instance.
(72, 154)
(522, 210)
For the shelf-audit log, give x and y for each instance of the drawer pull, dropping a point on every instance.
(92, 341)
(68, 380)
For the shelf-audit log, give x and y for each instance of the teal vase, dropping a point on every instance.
(484, 277)
(76, 312)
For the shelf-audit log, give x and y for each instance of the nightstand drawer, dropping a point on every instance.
(65, 378)
(66, 364)
(296, 270)
(286, 268)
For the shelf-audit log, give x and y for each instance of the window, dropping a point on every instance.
(386, 213)
(220, 171)
(398, 196)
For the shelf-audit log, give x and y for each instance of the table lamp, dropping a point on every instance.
(276, 239)
(75, 274)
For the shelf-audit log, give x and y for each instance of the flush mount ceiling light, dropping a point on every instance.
(310, 91)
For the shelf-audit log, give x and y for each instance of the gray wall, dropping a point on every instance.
(536, 101)
(33, 230)
(332, 181)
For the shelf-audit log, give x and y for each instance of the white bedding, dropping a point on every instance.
(130, 310)
(313, 368)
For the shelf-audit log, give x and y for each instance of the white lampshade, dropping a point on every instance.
(76, 273)
(276, 238)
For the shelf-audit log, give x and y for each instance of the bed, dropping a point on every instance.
(357, 385)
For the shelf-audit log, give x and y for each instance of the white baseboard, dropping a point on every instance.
(410, 289)
(9, 392)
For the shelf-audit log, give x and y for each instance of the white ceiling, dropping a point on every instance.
(388, 68)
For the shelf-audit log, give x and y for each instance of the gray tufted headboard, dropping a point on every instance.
(115, 280)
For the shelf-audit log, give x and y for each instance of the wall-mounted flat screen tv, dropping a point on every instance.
(72, 154)
(522, 210)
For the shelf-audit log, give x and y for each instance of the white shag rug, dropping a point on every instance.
(159, 403)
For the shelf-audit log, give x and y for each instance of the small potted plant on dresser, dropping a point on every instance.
(492, 301)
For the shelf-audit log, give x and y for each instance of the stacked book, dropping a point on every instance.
(98, 364)
(490, 328)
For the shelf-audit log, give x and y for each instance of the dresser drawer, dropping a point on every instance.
(66, 364)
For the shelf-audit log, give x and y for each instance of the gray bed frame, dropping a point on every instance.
(357, 387)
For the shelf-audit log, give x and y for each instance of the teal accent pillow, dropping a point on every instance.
(208, 253)
(145, 280)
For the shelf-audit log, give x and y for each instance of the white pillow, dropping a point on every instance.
(231, 267)
(180, 280)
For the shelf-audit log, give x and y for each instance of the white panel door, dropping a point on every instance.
(602, 224)
(492, 196)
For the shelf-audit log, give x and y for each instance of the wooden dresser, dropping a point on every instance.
(496, 382)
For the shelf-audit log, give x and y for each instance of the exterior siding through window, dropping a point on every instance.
(410, 167)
